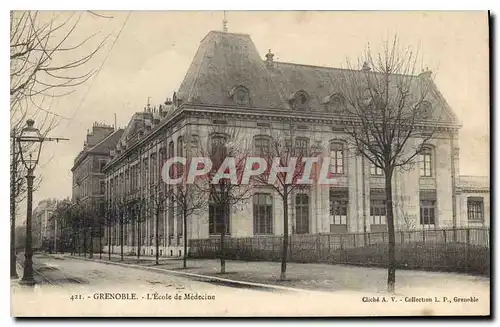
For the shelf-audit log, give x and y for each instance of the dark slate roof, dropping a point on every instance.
(321, 82)
(226, 60)
(108, 144)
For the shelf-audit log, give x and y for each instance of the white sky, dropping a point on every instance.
(155, 50)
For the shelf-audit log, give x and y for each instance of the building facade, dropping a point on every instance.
(43, 226)
(229, 85)
(88, 187)
(474, 201)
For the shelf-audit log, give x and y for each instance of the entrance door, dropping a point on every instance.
(302, 214)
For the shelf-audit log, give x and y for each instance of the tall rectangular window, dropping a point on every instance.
(378, 212)
(301, 145)
(171, 219)
(337, 158)
(426, 163)
(262, 145)
(302, 213)
(216, 217)
(338, 206)
(428, 208)
(153, 172)
(262, 214)
(475, 209)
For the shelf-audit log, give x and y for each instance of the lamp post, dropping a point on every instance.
(30, 143)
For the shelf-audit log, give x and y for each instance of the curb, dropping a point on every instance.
(204, 277)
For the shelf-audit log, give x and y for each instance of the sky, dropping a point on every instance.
(148, 59)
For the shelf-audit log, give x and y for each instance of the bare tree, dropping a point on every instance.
(155, 209)
(223, 192)
(186, 199)
(137, 218)
(45, 57)
(390, 119)
(41, 67)
(281, 148)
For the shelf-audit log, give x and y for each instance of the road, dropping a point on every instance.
(71, 287)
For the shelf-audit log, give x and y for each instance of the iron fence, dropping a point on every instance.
(446, 249)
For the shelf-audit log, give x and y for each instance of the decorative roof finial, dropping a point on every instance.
(224, 23)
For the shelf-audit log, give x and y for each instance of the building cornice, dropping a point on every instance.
(250, 113)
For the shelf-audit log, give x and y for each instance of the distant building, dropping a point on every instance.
(230, 84)
(474, 201)
(42, 223)
(88, 178)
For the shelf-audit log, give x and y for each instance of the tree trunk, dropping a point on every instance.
(85, 241)
(184, 263)
(157, 238)
(121, 238)
(109, 241)
(139, 241)
(100, 241)
(391, 264)
(285, 234)
(91, 244)
(222, 237)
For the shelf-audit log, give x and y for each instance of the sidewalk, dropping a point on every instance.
(321, 277)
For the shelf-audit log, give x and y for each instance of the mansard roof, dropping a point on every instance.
(228, 60)
(222, 62)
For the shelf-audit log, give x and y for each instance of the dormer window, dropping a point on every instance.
(240, 95)
(425, 109)
(334, 102)
(300, 100)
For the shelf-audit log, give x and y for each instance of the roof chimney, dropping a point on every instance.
(269, 59)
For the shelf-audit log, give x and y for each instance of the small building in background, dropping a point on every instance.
(474, 201)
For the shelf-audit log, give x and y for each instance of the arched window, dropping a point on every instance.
(300, 100)
(426, 162)
(337, 158)
(240, 95)
(170, 149)
(180, 146)
(425, 109)
(334, 102)
(154, 169)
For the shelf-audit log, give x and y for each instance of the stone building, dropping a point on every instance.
(88, 186)
(43, 225)
(229, 84)
(474, 201)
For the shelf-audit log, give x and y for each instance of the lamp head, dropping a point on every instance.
(30, 143)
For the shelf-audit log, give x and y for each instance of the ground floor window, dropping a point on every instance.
(339, 200)
(475, 209)
(378, 212)
(302, 213)
(216, 219)
(428, 208)
(262, 213)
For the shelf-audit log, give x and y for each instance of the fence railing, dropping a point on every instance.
(448, 249)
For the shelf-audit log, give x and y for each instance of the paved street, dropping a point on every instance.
(71, 287)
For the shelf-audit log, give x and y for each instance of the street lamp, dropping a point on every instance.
(30, 143)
